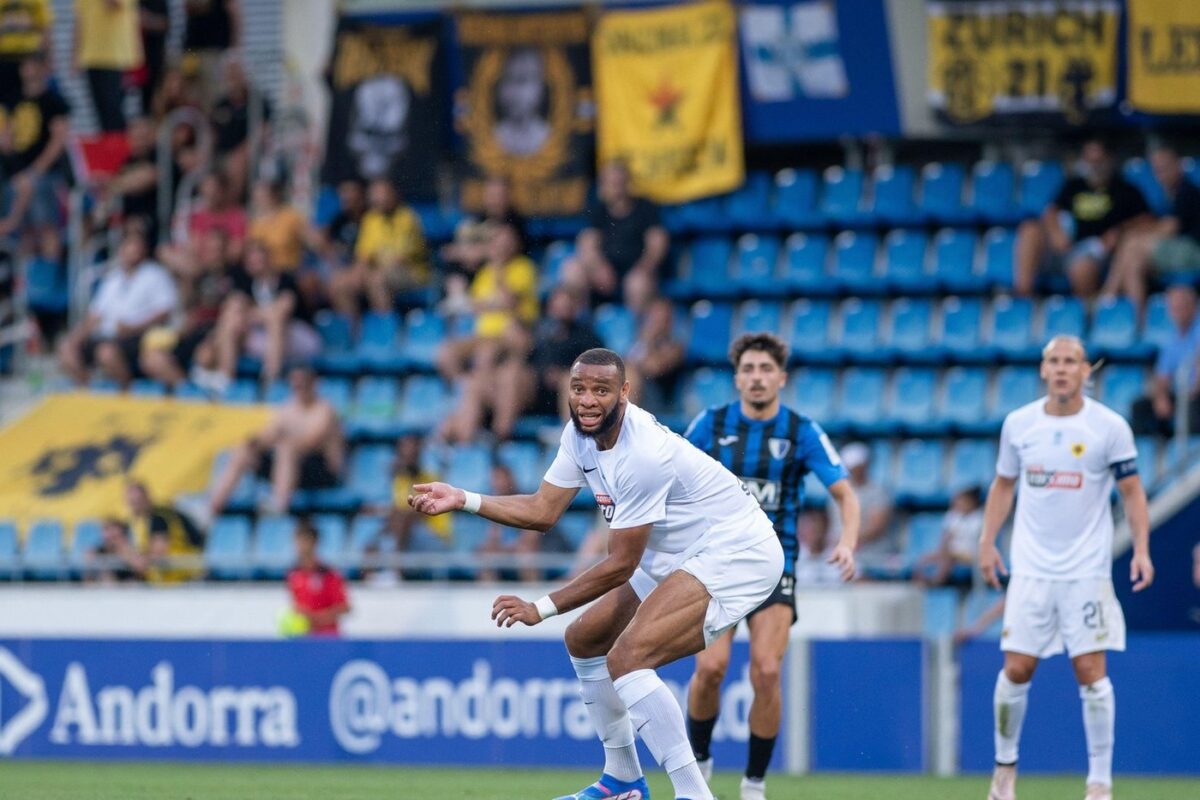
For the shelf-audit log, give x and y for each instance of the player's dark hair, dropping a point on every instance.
(601, 357)
(305, 528)
(762, 342)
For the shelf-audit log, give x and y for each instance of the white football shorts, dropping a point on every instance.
(738, 581)
(1040, 616)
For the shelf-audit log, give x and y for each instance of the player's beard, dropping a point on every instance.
(606, 424)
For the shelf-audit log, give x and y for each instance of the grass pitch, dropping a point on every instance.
(137, 781)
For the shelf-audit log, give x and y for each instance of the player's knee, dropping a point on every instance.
(764, 674)
(710, 674)
(581, 643)
(1018, 671)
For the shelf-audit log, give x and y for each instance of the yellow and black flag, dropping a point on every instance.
(667, 99)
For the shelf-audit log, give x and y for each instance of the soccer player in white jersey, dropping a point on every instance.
(1067, 451)
(690, 555)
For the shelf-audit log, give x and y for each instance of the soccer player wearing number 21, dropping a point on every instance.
(770, 448)
(690, 555)
(1066, 450)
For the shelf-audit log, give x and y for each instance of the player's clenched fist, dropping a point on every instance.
(436, 498)
(509, 610)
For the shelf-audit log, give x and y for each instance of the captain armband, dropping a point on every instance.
(1123, 469)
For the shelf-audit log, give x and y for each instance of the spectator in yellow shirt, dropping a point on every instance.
(390, 256)
(108, 43)
(504, 297)
(23, 28)
(278, 225)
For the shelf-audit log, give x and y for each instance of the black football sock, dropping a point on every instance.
(760, 756)
(700, 733)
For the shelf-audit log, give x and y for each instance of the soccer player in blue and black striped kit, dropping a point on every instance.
(770, 448)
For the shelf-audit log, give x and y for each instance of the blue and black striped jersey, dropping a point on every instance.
(771, 457)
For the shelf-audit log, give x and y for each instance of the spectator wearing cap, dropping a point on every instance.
(877, 543)
(1155, 413)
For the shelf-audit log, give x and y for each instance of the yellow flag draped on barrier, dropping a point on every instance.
(68, 459)
(666, 88)
(1164, 56)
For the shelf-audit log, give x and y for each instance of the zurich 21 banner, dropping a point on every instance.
(421, 702)
(666, 86)
(816, 70)
(1022, 60)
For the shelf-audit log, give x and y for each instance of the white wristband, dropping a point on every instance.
(546, 607)
(471, 502)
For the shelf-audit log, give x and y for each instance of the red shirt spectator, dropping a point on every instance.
(318, 591)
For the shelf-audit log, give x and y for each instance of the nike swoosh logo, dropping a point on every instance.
(593, 469)
(644, 724)
(725, 441)
(589, 702)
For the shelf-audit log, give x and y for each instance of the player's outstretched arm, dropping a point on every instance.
(995, 511)
(625, 549)
(1137, 512)
(843, 554)
(538, 511)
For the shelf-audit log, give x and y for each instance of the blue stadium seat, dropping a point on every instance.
(924, 535)
(894, 199)
(227, 549)
(904, 263)
(242, 390)
(862, 396)
(883, 462)
(335, 391)
(910, 330)
(811, 392)
(616, 326)
(854, 263)
(436, 225)
(87, 537)
(424, 333)
(1063, 316)
(1147, 460)
(46, 285)
(143, 387)
(1138, 172)
(796, 199)
(1040, 182)
(972, 463)
(912, 401)
(470, 465)
(860, 330)
(1159, 329)
(43, 555)
(573, 526)
(709, 273)
(942, 193)
(706, 387)
(758, 315)
(337, 345)
(754, 270)
(964, 400)
(841, 196)
(993, 193)
(244, 494)
(961, 329)
(375, 400)
(9, 562)
(557, 253)
(749, 208)
(379, 342)
(370, 474)
(1114, 331)
(424, 403)
(1177, 457)
(1120, 386)
(705, 214)
(804, 265)
(1015, 387)
(1012, 328)
(273, 551)
(365, 532)
(710, 330)
(525, 461)
(331, 538)
(954, 262)
(810, 327)
(998, 244)
(918, 481)
(277, 392)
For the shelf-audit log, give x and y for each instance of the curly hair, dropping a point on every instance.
(763, 342)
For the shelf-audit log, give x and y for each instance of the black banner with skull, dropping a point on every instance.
(526, 112)
(388, 105)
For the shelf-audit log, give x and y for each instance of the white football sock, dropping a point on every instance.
(1099, 719)
(659, 721)
(609, 716)
(1009, 703)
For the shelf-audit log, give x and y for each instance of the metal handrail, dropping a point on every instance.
(180, 116)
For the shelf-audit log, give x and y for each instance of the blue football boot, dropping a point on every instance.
(609, 788)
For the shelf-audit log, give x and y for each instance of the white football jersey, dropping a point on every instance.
(652, 476)
(1067, 467)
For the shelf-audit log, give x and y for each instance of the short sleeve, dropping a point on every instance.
(1008, 462)
(564, 471)
(820, 456)
(700, 432)
(1121, 447)
(642, 489)
(337, 588)
(1065, 197)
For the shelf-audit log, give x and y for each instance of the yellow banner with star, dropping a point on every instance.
(667, 99)
(69, 458)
